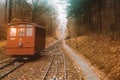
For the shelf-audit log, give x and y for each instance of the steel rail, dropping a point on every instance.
(4, 60)
(48, 68)
(1, 67)
(56, 72)
(10, 71)
(53, 46)
(65, 70)
(57, 69)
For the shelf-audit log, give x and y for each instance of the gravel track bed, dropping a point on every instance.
(73, 71)
(35, 69)
(56, 70)
(6, 69)
(30, 71)
(6, 61)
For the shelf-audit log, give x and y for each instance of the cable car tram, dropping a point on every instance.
(25, 38)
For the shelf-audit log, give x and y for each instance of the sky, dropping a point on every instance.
(60, 6)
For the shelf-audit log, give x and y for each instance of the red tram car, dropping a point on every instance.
(25, 39)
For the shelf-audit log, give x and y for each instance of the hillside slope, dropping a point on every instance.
(102, 52)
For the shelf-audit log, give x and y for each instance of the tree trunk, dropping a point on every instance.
(100, 17)
(10, 11)
(6, 5)
(69, 35)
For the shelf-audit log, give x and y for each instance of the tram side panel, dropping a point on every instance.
(39, 39)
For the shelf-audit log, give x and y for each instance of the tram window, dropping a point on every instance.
(21, 32)
(29, 31)
(12, 32)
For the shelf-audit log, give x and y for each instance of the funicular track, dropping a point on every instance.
(53, 64)
(53, 46)
(5, 60)
(56, 68)
(8, 66)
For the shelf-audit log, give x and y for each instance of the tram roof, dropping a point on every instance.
(26, 23)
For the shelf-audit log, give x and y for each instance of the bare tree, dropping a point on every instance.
(10, 11)
(6, 5)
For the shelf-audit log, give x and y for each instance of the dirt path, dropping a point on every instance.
(87, 70)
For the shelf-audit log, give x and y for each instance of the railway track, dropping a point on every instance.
(53, 65)
(53, 46)
(5, 60)
(8, 66)
(57, 67)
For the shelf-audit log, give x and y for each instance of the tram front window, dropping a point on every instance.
(12, 32)
(29, 32)
(21, 32)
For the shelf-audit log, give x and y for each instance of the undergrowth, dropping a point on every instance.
(102, 52)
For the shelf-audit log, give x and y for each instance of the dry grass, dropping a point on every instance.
(2, 50)
(2, 43)
(102, 52)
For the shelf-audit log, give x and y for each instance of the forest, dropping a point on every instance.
(35, 11)
(94, 31)
(93, 27)
(99, 17)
